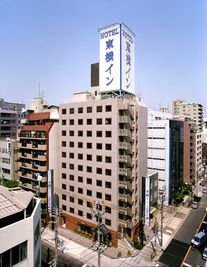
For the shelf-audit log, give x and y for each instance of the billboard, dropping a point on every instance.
(147, 200)
(50, 190)
(116, 58)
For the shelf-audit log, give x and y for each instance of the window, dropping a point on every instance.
(80, 110)
(108, 159)
(89, 204)
(64, 186)
(108, 146)
(108, 197)
(89, 157)
(63, 175)
(71, 177)
(98, 194)
(107, 222)
(80, 156)
(71, 144)
(71, 110)
(80, 179)
(108, 172)
(71, 133)
(98, 133)
(64, 111)
(89, 192)
(99, 158)
(99, 146)
(99, 109)
(80, 201)
(63, 165)
(71, 122)
(99, 121)
(80, 133)
(89, 169)
(89, 181)
(63, 122)
(71, 166)
(80, 144)
(71, 210)
(99, 183)
(89, 133)
(71, 188)
(71, 155)
(72, 199)
(99, 170)
(108, 133)
(63, 207)
(89, 109)
(64, 133)
(108, 121)
(80, 213)
(107, 209)
(108, 184)
(89, 145)
(63, 197)
(80, 121)
(89, 216)
(80, 168)
(63, 154)
(108, 108)
(80, 190)
(64, 143)
(89, 121)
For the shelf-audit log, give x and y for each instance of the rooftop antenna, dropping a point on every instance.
(40, 93)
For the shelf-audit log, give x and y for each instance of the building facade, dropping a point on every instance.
(20, 218)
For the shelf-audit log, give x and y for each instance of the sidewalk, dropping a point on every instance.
(80, 247)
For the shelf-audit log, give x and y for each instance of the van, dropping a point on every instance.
(199, 240)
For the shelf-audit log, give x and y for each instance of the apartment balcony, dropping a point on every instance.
(26, 175)
(125, 172)
(125, 119)
(125, 133)
(31, 135)
(43, 189)
(126, 107)
(126, 185)
(28, 186)
(125, 223)
(125, 146)
(125, 198)
(125, 159)
(44, 200)
(126, 211)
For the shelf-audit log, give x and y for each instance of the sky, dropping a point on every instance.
(47, 47)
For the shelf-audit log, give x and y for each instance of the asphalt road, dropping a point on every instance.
(63, 259)
(178, 247)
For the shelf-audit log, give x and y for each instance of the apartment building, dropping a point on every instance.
(20, 218)
(10, 118)
(194, 111)
(38, 153)
(100, 162)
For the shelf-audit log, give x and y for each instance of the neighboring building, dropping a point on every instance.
(20, 228)
(194, 111)
(166, 151)
(38, 153)
(10, 118)
(7, 159)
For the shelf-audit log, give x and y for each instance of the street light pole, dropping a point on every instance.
(162, 197)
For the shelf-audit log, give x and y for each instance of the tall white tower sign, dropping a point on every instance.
(116, 70)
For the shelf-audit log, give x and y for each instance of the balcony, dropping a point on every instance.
(125, 133)
(125, 159)
(126, 211)
(125, 119)
(125, 145)
(126, 185)
(125, 172)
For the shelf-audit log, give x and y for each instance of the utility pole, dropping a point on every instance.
(162, 197)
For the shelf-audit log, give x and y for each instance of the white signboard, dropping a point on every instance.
(147, 200)
(49, 190)
(116, 66)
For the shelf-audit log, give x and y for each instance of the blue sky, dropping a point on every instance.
(53, 42)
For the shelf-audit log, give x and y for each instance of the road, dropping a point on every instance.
(178, 247)
(63, 259)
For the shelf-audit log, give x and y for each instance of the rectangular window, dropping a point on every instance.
(71, 155)
(72, 199)
(64, 133)
(71, 188)
(80, 156)
(99, 121)
(108, 133)
(63, 154)
(80, 110)
(99, 158)
(71, 111)
(71, 144)
(64, 111)
(80, 190)
(63, 175)
(108, 184)
(89, 145)
(80, 121)
(108, 121)
(71, 133)
(89, 109)
(108, 108)
(98, 133)
(63, 122)
(98, 194)
(108, 159)
(89, 121)
(64, 186)
(71, 166)
(71, 177)
(80, 168)
(64, 143)
(89, 169)
(80, 179)
(99, 170)
(71, 122)
(89, 157)
(99, 109)
(64, 207)
(108, 172)
(80, 133)
(89, 181)
(89, 216)
(71, 210)
(80, 213)
(80, 144)
(89, 133)
(80, 201)
(108, 222)
(63, 197)
(107, 209)
(98, 182)
(63, 165)
(108, 197)
(108, 146)
(99, 146)
(89, 192)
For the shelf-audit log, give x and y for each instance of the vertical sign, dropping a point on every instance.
(147, 200)
(49, 190)
(116, 70)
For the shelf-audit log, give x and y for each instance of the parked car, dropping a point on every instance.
(205, 253)
(199, 240)
(194, 205)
